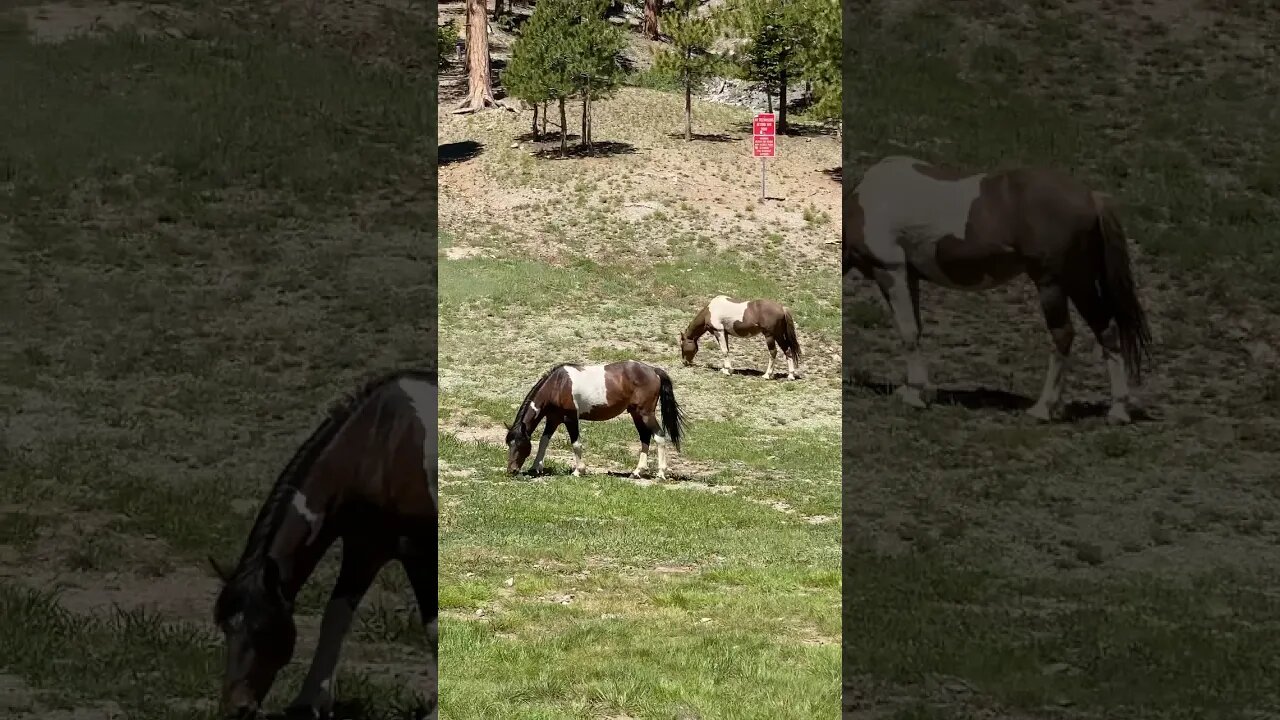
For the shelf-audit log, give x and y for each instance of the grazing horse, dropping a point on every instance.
(568, 393)
(911, 220)
(367, 476)
(723, 317)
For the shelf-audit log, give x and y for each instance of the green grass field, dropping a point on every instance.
(997, 568)
(210, 229)
(714, 594)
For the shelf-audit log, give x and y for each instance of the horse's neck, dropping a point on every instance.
(698, 327)
(298, 545)
(529, 421)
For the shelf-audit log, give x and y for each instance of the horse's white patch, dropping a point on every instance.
(315, 520)
(424, 397)
(587, 387)
(723, 312)
(902, 205)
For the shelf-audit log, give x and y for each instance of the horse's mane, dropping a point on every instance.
(528, 398)
(247, 574)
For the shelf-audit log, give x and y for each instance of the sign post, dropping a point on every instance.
(762, 144)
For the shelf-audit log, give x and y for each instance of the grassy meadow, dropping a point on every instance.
(714, 594)
(994, 567)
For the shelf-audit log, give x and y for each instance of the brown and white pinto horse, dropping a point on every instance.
(568, 393)
(724, 317)
(367, 476)
(909, 220)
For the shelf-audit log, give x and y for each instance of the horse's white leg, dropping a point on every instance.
(1057, 316)
(773, 355)
(642, 464)
(575, 442)
(1120, 397)
(1099, 318)
(660, 444)
(722, 337)
(791, 366)
(901, 289)
(642, 428)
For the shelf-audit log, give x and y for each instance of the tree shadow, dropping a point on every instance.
(600, 149)
(835, 173)
(461, 151)
(982, 398)
(707, 137)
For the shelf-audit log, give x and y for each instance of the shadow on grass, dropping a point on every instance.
(600, 149)
(708, 137)
(360, 710)
(835, 173)
(990, 399)
(749, 372)
(671, 479)
(462, 151)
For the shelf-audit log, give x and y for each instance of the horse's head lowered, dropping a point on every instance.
(688, 348)
(518, 446)
(257, 623)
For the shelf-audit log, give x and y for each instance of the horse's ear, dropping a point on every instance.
(218, 570)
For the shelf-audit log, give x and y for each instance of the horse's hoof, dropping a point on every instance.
(577, 472)
(726, 371)
(1040, 413)
(912, 397)
(791, 377)
(661, 475)
(635, 474)
(1118, 415)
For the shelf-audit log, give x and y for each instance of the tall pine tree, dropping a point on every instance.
(689, 60)
(596, 46)
(542, 62)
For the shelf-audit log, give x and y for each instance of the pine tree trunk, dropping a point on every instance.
(768, 96)
(782, 99)
(497, 9)
(649, 27)
(688, 110)
(544, 117)
(535, 134)
(564, 128)
(583, 141)
(480, 83)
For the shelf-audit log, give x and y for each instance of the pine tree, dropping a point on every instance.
(595, 46)
(689, 60)
(777, 32)
(541, 64)
(479, 82)
(821, 54)
(649, 26)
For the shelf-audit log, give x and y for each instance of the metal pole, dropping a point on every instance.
(763, 196)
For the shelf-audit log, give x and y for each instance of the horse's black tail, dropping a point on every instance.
(673, 421)
(788, 338)
(1119, 291)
